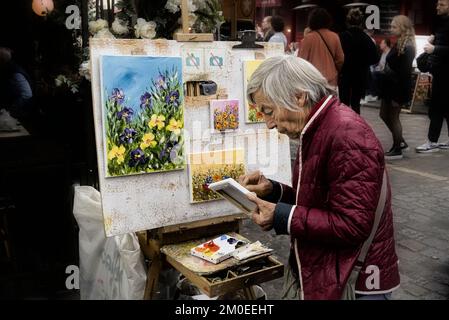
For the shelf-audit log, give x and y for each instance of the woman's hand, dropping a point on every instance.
(264, 214)
(256, 182)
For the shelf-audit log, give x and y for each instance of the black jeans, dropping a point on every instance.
(352, 90)
(439, 108)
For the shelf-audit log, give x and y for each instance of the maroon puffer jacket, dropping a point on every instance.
(341, 163)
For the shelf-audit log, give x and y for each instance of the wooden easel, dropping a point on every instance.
(152, 241)
(186, 35)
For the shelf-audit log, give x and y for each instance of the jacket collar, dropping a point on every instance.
(318, 111)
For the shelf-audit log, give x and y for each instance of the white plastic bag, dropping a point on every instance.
(110, 268)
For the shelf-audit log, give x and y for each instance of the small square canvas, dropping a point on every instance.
(208, 167)
(224, 115)
(143, 115)
(252, 115)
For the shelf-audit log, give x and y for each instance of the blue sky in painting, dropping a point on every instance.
(133, 75)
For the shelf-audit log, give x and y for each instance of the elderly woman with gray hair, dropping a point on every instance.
(338, 209)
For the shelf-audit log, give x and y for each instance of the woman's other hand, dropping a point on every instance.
(256, 182)
(264, 214)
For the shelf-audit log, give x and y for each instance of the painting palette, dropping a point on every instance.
(218, 249)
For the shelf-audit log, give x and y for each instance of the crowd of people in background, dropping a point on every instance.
(363, 71)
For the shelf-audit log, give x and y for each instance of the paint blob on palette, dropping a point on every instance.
(218, 249)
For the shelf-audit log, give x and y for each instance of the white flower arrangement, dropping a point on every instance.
(63, 80)
(175, 5)
(145, 29)
(204, 16)
(120, 27)
(97, 25)
(85, 69)
(104, 34)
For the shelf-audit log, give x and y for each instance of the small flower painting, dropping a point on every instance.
(143, 114)
(251, 112)
(224, 114)
(209, 167)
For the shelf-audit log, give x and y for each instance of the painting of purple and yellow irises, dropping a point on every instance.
(143, 115)
(213, 166)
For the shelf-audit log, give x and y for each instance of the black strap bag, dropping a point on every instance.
(424, 62)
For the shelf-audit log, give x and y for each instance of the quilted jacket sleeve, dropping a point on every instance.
(355, 176)
(281, 193)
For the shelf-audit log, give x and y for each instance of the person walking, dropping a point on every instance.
(322, 47)
(396, 82)
(438, 47)
(360, 53)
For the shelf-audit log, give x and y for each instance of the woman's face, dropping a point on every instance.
(394, 27)
(287, 122)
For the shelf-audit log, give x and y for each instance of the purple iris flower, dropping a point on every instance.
(137, 158)
(126, 114)
(226, 177)
(173, 98)
(146, 100)
(127, 136)
(117, 95)
(209, 180)
(162, 155)
(174, 152)
(160, 82)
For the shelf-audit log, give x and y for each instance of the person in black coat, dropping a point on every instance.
(438, 47)
(15, 86)
(396, 82)
(360, 53)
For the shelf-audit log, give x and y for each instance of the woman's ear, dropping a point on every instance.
(301, 99)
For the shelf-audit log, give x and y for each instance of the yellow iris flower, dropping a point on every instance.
(174, 126)
(158, 121)
(117, 152)
(148, 141)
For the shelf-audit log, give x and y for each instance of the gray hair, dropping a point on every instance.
(283, 78)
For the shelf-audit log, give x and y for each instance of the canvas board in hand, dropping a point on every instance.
(235, 193)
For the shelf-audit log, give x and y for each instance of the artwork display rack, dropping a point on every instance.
(152, 241)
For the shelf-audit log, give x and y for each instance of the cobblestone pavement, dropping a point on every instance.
(420, 186)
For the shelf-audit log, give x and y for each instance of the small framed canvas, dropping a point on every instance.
(252, 115)
(212, 166)
(224, 115)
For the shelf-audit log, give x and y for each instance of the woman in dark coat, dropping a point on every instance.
(396, 82)
(360, 53)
